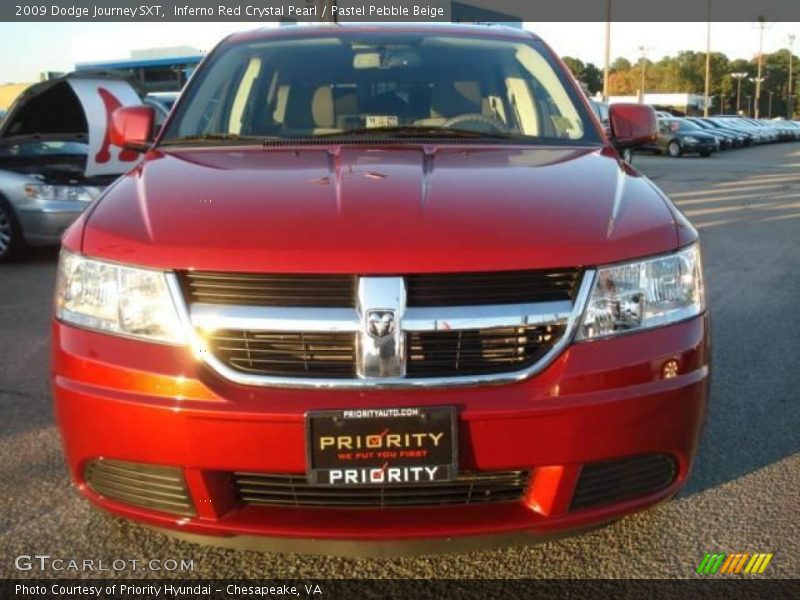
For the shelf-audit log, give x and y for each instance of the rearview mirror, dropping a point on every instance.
(131, 127)
(632, 124)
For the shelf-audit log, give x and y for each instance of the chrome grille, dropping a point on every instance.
(293, 490)
(149, 486)
(610, 481)
(477, 351)
(384, 340)
(286, 354)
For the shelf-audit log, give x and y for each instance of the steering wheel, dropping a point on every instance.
(491, 122)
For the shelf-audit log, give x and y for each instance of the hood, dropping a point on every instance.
(380, 210)
(74, 108)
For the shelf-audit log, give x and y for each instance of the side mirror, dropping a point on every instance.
(632, 124)
(131, 127)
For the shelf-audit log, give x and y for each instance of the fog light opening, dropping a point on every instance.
(670, 369)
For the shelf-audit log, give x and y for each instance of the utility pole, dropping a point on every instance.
(607, 52)
(708, 59)
(643, 50)
(759, 79)
(790, 90)
(738, 77)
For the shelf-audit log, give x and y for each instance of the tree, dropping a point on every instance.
(587, 74)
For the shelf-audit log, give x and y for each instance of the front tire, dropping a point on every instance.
(674, 149)
(11, 242)
(705, 154)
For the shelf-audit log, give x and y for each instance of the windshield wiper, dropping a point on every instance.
(421, 131)
(223, 138)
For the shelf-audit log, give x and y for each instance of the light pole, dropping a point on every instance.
(756, 98)
(789, 90)
(708, 59)
(749, 104)
(643, 52)
(738, 77)
(759, 79)
(606, 91)
(769, 110)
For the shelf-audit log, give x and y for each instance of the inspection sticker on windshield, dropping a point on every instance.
(378, 121)
(381, 446)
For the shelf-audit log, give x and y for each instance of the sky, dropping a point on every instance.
(58, 46)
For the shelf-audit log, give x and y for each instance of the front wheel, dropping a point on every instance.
(705, 154)
(11, 242)
(674, 149)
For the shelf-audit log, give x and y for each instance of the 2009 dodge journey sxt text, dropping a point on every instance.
(388, 288)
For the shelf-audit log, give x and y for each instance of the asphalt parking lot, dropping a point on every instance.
(742, 497)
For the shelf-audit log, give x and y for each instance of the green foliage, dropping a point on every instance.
(685, 73)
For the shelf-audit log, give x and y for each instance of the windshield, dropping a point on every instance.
(351, 85)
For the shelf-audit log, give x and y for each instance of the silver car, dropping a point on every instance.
(42, 192)
(44, 150)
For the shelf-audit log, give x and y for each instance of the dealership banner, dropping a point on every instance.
(502, 11)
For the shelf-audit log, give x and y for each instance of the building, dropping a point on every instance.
(155, 69)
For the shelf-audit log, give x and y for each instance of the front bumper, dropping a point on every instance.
(699, 147)
(43, 222)
(598, 400)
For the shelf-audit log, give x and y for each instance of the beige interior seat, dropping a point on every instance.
(311, 110)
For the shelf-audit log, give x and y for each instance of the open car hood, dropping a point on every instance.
(75, 107)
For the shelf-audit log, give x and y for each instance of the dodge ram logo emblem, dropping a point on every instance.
(380, 323)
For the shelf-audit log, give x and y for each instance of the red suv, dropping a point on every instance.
(389, 285)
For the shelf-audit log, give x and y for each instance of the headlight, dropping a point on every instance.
(690, 139)
(116, 299)
(640, 295)
(42, 191)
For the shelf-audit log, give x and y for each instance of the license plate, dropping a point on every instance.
(381, 446)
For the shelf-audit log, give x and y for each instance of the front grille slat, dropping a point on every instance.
(286, 354)
(473, 351)
(427, 289)
(255, 289)
(606, 482)
(149, 486)
(294, 490)
(502, 287)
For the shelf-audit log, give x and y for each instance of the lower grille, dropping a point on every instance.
(470, 488)
(148, 486)
(610, 481)
(328, 354)
(478, 351)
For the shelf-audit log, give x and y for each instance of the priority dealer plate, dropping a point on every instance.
(381, 446)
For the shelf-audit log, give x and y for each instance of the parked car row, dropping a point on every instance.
(703, 136)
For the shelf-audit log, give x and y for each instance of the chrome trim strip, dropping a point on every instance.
(268, 318)
(223, 370)
(433, 318)
(438, 318)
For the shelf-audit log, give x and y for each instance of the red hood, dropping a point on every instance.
(378, 210)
